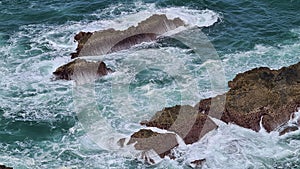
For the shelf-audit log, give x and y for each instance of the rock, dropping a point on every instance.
(81, 68)
(147, 140)
(111, 40)
(288, 129)
(4, 167)
(186, 121)
(261, 93)
(81, 38)
(197, 163)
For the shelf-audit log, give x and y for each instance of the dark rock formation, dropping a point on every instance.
(81, 38)
(197, 163)
(261, 93)
(80, 68)
(111, 40)
(185, 120)
(288, 129)
(4, 167)
(148, 140)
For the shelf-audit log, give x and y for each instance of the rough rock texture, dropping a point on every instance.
(111, 40)
(261, 93)
(4, 167)
(81, 38)
(81, 68)
(148, 140)
(288, 129)
(197, 163)
(185, 120)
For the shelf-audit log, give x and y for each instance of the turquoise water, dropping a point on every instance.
(39, 122)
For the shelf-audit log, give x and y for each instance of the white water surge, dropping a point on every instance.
(150, 90)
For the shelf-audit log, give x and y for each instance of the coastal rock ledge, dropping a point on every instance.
(259, 97)
(80, 68)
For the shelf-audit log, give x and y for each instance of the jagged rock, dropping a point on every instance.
(161, 143)
(185, 120)
(4, 167)
(261, 93)
(81, 68)
(197, 163)
(111, 40)
(81, 38)
(288, 129)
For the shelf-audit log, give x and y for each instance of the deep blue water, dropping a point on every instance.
(39, 127)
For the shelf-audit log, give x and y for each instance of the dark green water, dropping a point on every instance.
(38, 123)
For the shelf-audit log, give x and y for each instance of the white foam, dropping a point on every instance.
(192, 17)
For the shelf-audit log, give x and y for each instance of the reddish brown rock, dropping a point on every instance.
(288, 129)
(148, 140)
(111, 40)
(81, 38)
(81, 68)
(258, 95)
(261, 93)
(185, 120)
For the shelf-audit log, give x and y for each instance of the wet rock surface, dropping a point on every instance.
(111, 40)
(4, 167)
(260, 94)
(186, 121)
(81, 38)
(197, 163)
(81, 68)
(147, 140)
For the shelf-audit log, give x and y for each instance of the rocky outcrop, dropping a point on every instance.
(81, 68)
(197, 163)
(260, 94)
(81, 38)
(186, 121)
(111, 40)
(4, 167)
(146, 140)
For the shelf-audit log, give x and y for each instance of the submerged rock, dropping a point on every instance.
(260, 94)
(81, 68)
(4, 167)
(111, 40)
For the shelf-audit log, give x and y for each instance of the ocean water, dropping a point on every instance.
(44, 124)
